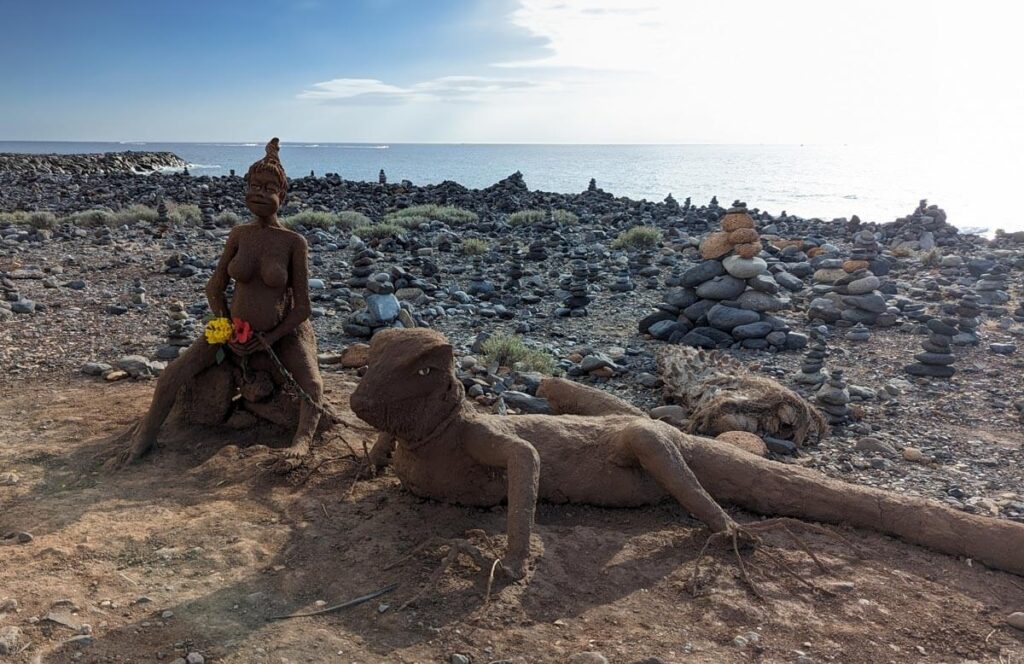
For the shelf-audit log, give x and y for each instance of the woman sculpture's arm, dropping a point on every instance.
(217, 286)
(299, 280)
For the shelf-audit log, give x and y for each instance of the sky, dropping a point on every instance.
(513, 71)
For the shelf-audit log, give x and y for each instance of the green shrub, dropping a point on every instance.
(133, 214)
(38, 219)
(91, 218)
(930, 258)
(446, 214)
(310, 219)
(377, 231)
(638, 237)
(474, 247)
(228, 218)
(349, 219)
(526, 217)
(564, 217)
(14, 217)
(509, 351)
(184, 213)
(410, 222)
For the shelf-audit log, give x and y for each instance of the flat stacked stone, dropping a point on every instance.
(859, 333)
(937, 359)
(833, 399)
(725, 300)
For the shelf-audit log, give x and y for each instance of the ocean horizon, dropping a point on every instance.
(826, 181)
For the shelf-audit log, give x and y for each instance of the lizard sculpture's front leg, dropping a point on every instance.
(380, 453)
(522, 464)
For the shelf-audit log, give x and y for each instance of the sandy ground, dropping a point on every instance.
(193, 550)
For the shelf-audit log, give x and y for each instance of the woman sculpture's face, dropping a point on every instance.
(264, 195)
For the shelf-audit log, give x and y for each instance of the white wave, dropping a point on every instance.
(202, 166)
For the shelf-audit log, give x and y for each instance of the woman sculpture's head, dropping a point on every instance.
(267, 183)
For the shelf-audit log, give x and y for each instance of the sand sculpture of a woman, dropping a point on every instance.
(268, 265)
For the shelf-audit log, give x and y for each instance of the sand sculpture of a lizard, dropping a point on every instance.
(600, 450)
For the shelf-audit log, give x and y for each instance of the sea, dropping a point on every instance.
(880, 184)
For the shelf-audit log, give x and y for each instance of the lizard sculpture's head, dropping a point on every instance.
(410, 387)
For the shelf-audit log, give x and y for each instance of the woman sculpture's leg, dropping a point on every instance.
(194, 359)
(297, 352)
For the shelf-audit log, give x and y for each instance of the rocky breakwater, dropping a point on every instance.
(923, 230)
(726, 300)
(81, 164)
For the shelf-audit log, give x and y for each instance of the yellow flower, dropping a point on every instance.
(218, 331)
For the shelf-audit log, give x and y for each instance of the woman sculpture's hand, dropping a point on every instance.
(255, 344)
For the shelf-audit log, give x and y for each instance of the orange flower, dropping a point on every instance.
(242, 331)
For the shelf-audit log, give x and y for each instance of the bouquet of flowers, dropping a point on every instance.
(220, 331)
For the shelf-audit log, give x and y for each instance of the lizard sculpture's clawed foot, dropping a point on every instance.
(491, 565)
(745, 537)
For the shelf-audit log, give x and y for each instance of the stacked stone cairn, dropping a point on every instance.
(814, 361)
(937, 359)
(923, 230)
(833, 398)
(576, 288)
(968, 318)
(991, 288)
(538, 251)
(362, 268)
(642, 265)
(725, 300)
(382, 308)
(847, 292)
(181, 332)
(479, 284)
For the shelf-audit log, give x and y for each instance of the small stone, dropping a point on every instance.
(913, 454)
(457, 658)
(10, 640)
(671, 413)
(589, 657)
(744, 268)
(873, 445)
(194, 658)
(746, 441)
(1016, 620)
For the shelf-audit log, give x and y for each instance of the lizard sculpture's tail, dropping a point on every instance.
(731, 475)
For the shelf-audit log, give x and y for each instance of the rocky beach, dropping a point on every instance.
(907, 335)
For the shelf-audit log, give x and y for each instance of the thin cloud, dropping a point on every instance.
(446, 88)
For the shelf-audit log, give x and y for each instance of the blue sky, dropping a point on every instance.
(606, 71)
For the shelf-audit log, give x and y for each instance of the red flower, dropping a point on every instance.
(242, 331)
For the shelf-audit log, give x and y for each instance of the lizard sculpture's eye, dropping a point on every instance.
(424, 371)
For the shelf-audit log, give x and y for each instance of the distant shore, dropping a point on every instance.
(878, 184)
(88, 164)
